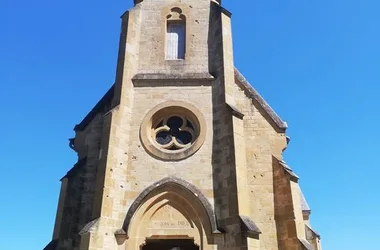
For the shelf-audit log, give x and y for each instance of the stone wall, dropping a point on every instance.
(77, 205)
(223, 156)
(262, 141)
(286, 228)
(153, 33)
(236, 169)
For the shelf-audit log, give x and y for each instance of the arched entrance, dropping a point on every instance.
(171, 214)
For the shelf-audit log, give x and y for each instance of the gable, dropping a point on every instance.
(259, 102)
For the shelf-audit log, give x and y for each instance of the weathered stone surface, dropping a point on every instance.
(171, 181)
(249, 225)
(232, 191)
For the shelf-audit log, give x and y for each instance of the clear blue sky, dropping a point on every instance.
(316, 62)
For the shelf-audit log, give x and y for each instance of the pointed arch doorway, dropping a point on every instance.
(171, 214)
(169, 244)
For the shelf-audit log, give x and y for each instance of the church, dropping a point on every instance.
(181, 153)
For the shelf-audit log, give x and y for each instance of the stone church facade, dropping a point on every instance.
(181, 152)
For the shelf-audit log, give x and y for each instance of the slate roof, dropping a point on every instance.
(289, 170)
(304, 205)
(52, 245)
(315, 233)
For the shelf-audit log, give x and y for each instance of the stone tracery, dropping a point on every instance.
(174, 132)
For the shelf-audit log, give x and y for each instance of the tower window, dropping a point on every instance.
(176, 35)
(175, 40)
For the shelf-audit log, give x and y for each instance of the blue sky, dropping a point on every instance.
(316, 62)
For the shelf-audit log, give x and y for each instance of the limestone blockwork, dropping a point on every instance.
(185, 191)
(174, 205)
(181, 154)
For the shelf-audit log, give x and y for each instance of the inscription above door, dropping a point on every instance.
(175, 224)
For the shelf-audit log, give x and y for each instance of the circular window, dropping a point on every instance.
(173, 131)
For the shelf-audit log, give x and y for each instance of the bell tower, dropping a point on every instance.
(181, 152)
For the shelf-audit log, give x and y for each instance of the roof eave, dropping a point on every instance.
(95, 110)
(252, 93)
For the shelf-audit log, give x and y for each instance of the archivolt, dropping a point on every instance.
(194, 191)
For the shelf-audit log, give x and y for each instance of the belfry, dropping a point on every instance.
(181, 153)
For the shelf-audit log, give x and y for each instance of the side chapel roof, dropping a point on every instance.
(240, 81)
(304, 205)
(259, 100)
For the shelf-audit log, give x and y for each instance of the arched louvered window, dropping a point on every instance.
(176, 35)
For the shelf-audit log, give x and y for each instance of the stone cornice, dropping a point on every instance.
(186, 79)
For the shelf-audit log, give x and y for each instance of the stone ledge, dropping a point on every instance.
(89, 226)
(288, 170)
(249, 225)
(235, 111)
(187, 79)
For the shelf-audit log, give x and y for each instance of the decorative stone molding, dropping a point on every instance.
(185, 79)
(176, 15)
(174, 77)
(197, 195)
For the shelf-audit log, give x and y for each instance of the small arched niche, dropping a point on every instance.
(175, 35)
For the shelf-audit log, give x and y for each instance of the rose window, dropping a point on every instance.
(174, 132)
